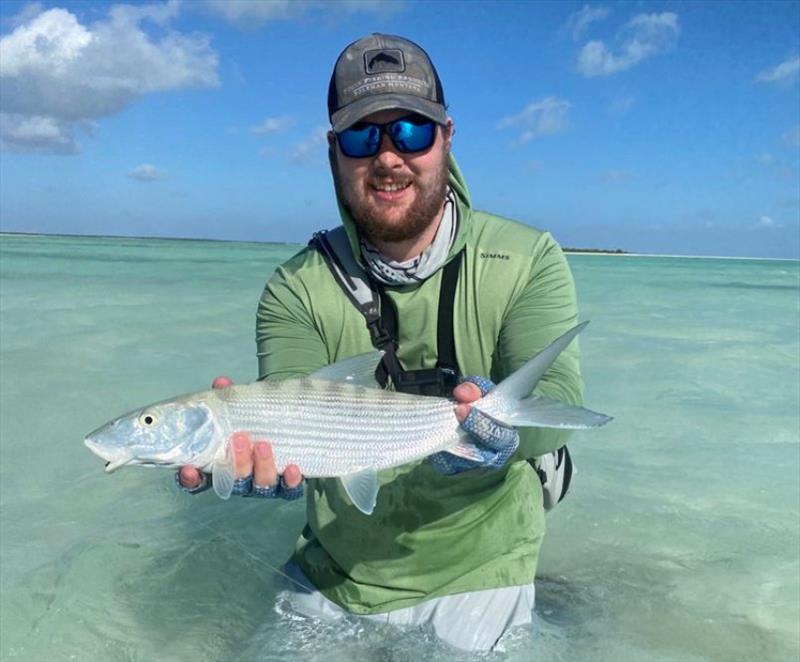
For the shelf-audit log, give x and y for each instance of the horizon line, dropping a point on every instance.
(575, 251)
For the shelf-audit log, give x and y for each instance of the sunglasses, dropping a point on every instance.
(408, 134)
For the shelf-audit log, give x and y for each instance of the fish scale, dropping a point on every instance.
(326, 428)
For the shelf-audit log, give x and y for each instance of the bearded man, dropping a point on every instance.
(452, 543)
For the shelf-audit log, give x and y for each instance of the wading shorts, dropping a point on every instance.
(472, 621)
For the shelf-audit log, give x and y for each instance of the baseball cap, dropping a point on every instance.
(383, 72)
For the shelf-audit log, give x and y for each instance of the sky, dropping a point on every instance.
(655, 127)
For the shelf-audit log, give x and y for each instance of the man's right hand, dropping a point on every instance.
(251, 459)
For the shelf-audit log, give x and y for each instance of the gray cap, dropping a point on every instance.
(383, 72)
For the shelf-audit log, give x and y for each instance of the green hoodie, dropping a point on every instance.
(431, 535)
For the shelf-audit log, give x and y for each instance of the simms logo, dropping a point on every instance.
(382, 61)
(495, 256)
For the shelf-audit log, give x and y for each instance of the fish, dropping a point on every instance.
(335, 423)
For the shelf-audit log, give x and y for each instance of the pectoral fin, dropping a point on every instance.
(223, 471)
(362, 488)
(464, 448)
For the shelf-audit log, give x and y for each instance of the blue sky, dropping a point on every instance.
(649, 126)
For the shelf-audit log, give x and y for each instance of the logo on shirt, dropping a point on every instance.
(495, 256)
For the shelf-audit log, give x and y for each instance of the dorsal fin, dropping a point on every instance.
(358, 370)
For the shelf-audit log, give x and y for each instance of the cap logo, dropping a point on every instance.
(384, 60)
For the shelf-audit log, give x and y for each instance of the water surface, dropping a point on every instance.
(679, 540)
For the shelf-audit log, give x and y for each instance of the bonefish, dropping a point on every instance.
(337, 422)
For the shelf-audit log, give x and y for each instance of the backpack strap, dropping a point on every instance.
(334, 246)
(372, 301)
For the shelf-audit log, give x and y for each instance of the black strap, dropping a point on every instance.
(382, 323)
(442, 379)
(445, 342)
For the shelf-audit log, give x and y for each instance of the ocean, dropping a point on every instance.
(679, 540)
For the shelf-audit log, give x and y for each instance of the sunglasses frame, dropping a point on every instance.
(383, 130)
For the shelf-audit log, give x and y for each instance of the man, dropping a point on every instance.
(451, 543)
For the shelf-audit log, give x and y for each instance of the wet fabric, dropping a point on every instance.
(473, 621)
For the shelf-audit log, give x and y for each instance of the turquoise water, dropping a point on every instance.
(679, 540)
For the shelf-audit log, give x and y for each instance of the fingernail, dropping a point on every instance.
(262, 450)
(240, 443)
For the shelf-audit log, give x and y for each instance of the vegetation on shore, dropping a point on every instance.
(614, 251)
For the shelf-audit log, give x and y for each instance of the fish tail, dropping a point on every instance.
(511, 402)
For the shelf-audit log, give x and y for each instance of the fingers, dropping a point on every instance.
(470, 390)
(221, 382)
(292, 476)
(258, 460)
(190, 477)
(242, 454)
(265, 474)
(462, 411)
(467, 392)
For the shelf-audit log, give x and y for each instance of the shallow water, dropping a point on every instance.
(679, 541)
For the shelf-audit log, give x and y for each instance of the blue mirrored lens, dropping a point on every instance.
(408, 135)
(360, 140)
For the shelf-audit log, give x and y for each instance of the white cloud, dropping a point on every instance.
(307, 150)
(147, 173)
(272, 125)
(785, 72)
(254, 13)
(249, 12)
(58, 74)
(579, 21)
(644, 36)
(765, 223)
(35, 133)
(540, 118)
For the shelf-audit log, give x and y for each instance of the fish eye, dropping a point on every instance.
(148, 420)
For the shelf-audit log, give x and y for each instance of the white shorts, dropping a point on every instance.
(472, 621)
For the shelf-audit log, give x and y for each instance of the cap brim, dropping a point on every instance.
(358, 110)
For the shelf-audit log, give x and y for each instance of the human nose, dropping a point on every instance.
(388, 155)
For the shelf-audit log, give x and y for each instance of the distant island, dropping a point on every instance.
(616, 251)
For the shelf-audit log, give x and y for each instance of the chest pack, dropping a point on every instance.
(369, 297)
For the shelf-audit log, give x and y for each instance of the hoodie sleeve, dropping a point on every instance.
(288, 342)
(545, 309)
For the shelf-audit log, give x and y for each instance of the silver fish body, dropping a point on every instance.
(334, 429)
(335, 423)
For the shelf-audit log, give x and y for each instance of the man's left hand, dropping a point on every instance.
(495, 442)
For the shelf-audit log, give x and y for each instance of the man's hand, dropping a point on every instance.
(494, 441)
(256, 472)
(465, 394)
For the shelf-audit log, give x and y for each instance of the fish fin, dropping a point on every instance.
(465, 449)
(362, 488)
(520, 384)
(541, 412)
(358, 370)
(223, 471)
(511, 402)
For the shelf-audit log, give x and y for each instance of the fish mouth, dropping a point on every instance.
(113, 457)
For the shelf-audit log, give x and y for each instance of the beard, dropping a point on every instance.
(376, 225)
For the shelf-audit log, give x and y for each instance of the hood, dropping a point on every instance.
(459, 186)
